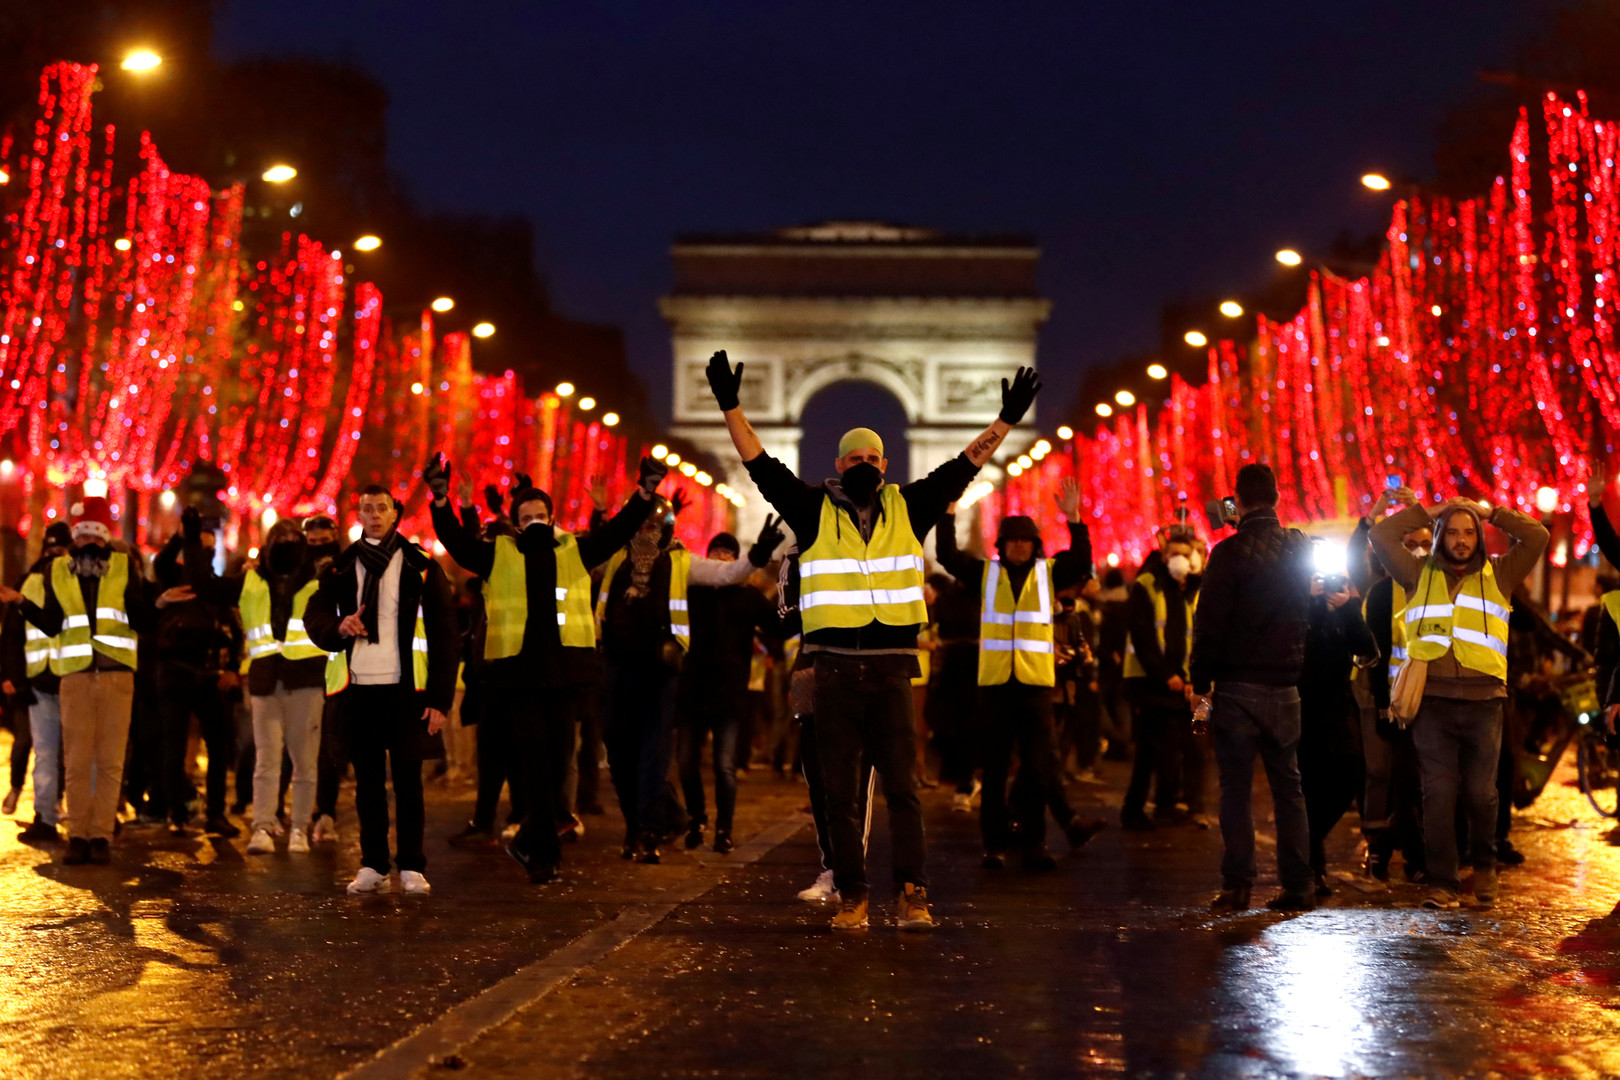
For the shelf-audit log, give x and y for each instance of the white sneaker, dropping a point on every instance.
(822, 891)
(262, 843)
(413, 882)
(510, 831)
(326, 830)
(961, 803)
(297, 842)
(368, 881)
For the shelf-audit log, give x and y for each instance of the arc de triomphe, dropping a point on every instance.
(938, 320)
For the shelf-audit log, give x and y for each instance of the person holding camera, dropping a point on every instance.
(1453, 685)
(1247, 657)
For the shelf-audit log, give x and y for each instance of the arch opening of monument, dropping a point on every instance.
(852, 402)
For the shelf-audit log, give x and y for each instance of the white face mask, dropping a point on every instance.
(1179, 566)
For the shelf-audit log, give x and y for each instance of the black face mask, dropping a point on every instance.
(93, 551)
(322, 551)
(861, 482)
(286, 557)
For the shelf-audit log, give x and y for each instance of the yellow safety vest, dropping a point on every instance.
(925, 657)
(113, 637)
(680, 573)
(1397, 630)
(506, 598)
(1161, 617)
(1015, 636)
(337, 664)
(1611, 604)
(261, 637)
(1474, 624)
(39, 648)
(846, 583)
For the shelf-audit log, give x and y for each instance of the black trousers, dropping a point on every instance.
(1019, 717)
(864, 714)
(379, 725)
(183, 692)
(588, 793)
(541, 722)
(498, 766)
(1153, 726)
(810, 763)
(22, 743)
(639, 734)
(1332, 774)
(716, 709)
(333, 764)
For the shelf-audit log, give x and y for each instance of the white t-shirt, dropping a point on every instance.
(377, 664)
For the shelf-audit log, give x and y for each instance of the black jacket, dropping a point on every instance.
(1254, 606)
(267, 672)
(1161, 663)
(13, 648)
(1333, 641)
(338, 596)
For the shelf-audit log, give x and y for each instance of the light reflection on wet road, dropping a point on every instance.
(187, 959)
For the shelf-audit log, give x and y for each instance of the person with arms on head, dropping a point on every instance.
(1248, 652)
(26, 653)
(95, 603)
(1017, 671)
(861, 599)
(539, 640)
(384, 611)
(1454, 682)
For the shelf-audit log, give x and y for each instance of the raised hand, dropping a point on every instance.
(1018, 397)
(191, 525)
(1386, 499)
(599, 491)
(679, 501)
(653, 472)
(1407, 496)
(724, 382)
(494, 500)
(1068, 498)
(769, 539)
(436, 475)
(1597, 481)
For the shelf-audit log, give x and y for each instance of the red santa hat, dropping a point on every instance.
(92, 517)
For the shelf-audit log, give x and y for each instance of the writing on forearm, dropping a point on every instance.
(980, 449)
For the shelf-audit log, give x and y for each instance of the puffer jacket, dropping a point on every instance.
(1254, 606)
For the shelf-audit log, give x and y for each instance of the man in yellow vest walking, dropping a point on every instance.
(1457, 624)
(96, 602)
(861, 599)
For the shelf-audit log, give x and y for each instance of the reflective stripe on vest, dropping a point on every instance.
(680, 572)
(1473, 624)
(1397, 629)
(337, 664)
(256, 622)
(1015, 636)
(506, 598)
(847, 583)
(1161, 619)
(39, 648)
(112, 636)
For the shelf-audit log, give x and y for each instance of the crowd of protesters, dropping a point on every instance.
(529, 653)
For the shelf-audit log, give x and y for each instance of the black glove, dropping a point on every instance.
(652, 474)
(191, 525)
(723, 381)
(678, 501)
(1017, 398)
(765, 544)
(494, 500)
(436, 475)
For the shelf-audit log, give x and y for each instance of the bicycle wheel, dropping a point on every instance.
(1596, 765)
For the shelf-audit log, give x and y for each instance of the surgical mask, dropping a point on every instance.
(861, 482)
(1421, 551)
(1179, 566)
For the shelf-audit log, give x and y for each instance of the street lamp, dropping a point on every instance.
(368, 243)
(660, 450)
(565, 389)
(1125, 398)
(610, 419)
(140, 60)
(122, 243)
(1547, 499)
(1065, 432)
(1104, 409)
(484, 330)
(1195, 338)
(443, 304)
(1289, 257)
(586, 404)
(1375, 181)
(1231, 308)
(278, 174)
(1159, 371)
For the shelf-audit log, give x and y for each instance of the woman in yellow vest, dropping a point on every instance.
(286, 674)
(1017, 670)
(1457, 626)
(539, 649)
(861, 596)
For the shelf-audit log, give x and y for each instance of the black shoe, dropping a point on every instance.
(179, 829)
(1232, 898)
(472, 836)
(1323, 889)
(540, 873)
(628, 852)
(1038, 859)
(723, 844)
(647, 850)
(694, 836)
(238, 808)
(993, 860)
(1508, 855)
(1136, 821)
(220, 825)
(40, 833)
(78, 851)
(1287, 901)
(1378, 867)
(100, 851)
(1081, 830)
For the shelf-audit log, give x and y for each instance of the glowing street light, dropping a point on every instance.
(1195, 338)
(672, 459)
(1290, 257)
(688, 469)
(565, 389)
(1025, 460)
(1375, 182)
(416, 388)
(484, 330)
(1231, 308)
(1104, 409)
(5, 177)
(1015, 469)
(610, 419)
(704, 478)
(1547, 499)
(141, 60)
(443, 304)
(660, 450)
(1158, 371)
(122, 243)
(1042, 447)
(368, 242)
(587, 403)
(1065, 432)
(166, 500)
(1125, 398)
(278, 174)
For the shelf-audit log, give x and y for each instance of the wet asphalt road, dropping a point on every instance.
(190, 959)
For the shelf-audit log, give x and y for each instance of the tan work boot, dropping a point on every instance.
(913, 911)
(852, 915)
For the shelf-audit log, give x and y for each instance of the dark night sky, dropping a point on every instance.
(1156, 150)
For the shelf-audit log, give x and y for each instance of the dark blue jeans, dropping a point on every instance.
(718, 710)
(639, 735)
(1248, 719)
(1458, 743)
